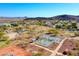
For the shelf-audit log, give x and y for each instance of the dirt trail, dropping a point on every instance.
(52, 52)
(42, 47)
(58, 47)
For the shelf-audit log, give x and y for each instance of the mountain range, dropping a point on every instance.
(59, 17)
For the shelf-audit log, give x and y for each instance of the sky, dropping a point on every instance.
(38, 9)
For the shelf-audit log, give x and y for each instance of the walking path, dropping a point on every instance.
(52, 52)
(59, 46)
(42, 47)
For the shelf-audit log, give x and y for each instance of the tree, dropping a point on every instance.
(1, 34)
(4, 40)
(58, 26)
(53, 31)
(74, 25)
(76, 33)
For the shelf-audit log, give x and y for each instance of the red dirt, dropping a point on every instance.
(32, 48)
(67, 45)
(14, 50)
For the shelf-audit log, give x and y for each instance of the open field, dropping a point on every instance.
(40, 37)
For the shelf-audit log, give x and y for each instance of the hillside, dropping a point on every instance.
(59, 17)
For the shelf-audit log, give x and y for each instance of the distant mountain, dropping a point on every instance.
(66, 17)
(10, 19)
(37, 18)
(59, 17)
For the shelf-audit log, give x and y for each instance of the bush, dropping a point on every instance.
(37, 54)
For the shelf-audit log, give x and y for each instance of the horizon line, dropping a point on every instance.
(34, 16)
